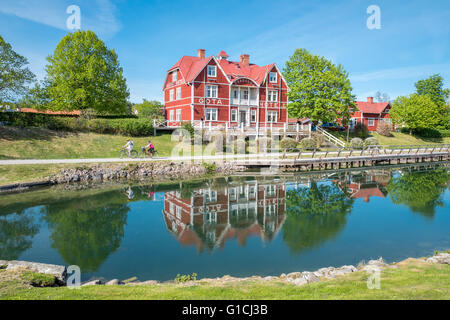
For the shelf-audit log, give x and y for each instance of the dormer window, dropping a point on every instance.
(174, 76)
(212, 71)
(273, 77)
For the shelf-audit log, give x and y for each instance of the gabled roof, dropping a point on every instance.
(372, 107)
(190, 67)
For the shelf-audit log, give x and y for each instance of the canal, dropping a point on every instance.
(239, 225)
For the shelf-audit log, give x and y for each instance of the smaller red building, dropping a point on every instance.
(370, 114)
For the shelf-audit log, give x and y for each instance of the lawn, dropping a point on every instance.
(36, 143)
(397, 138)
(410, 279)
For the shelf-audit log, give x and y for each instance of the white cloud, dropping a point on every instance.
(98, 15)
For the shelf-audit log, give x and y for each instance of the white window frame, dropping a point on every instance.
(270, 115)
(213, 112)
(233, 115)
(178, 115)
(211, 91)
(273, 77)
(212, 74)
(178, 93)
(371, 121)
(171, 95)
(174, 76)
(253, 116)
(272, 96)
(178, 210)
(245, 94)
(171, 115)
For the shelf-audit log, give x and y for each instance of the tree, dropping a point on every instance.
(150, 109)
(14, 75)
(320, 90)
(314, 215)
(433, 87)
(417, 112)
(84, 74)
(36, 98)
(420, 191)
(382, 97)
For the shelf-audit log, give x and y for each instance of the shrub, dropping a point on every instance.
(38, 279)
(361, 130)
(189, 128)
(289, 144)
(318, 138)
(371, 142)
(308, 143)
(185, 278)
(384, 128)
(357, 143)
(210, 167)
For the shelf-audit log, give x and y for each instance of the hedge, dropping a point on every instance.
(123, 126)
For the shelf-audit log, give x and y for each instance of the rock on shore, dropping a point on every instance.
(157, 170)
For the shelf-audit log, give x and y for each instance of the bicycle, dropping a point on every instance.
(145, 154)
(124, 154)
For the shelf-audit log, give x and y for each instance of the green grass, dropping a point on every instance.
(36, 143)
(411, 279)
(397, 138)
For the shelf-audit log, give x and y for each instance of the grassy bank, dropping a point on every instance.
(410, 279)
(397, 138)
(37, 143)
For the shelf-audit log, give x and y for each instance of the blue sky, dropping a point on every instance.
(150, 36)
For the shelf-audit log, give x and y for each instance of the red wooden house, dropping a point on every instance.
(213, 91)
(370, 113)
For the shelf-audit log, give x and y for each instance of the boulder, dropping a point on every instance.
(442, 258)
(59, 272)
(92, 283)
(114, 282)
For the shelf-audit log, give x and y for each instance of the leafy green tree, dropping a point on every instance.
(86, 231)
(14, 75)
(150, 109)
(433, 87)
(16, 232)
(320, 90)
(36, 98)
(84, 74)
(420, 191)
(416, 112)
(314, 215)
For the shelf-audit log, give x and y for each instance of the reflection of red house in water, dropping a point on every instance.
(208, 218)
(364, 186)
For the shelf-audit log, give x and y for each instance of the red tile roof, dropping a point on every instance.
(190, 67)
(375, 107)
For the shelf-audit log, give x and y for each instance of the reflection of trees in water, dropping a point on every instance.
(419, 191)
(16, 233)
(86, 231)
(314, 215)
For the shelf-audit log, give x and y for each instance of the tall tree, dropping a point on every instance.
(320, 90)
(382, 97)
(416, 112)
(84, 74)
(14, 74)
(150, 109)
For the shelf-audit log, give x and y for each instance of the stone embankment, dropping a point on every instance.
(141, 171)
(296, 278)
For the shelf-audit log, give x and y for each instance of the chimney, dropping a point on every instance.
(245, 59)
(370, 99)
(201, 53)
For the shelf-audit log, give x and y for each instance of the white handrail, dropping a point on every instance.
(331, 138)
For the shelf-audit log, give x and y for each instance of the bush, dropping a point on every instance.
(361, 130)
(185, 278)
(38, 279)
(189, 128)
(126, 126)
(289, 144)
(210, 167)
(308, 143)
(371, 142)
(318, 138)
(357, 143)
(384, 128)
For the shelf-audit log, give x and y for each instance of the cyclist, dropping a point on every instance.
(129, 146)
(150, 148)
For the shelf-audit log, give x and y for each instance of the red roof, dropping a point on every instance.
(190, 67)
(372, 107)
(223, 54)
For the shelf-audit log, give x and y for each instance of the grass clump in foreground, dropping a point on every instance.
(409, 279)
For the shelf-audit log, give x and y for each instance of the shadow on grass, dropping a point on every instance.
(16, 133)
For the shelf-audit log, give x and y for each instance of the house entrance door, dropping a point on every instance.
(242, 118)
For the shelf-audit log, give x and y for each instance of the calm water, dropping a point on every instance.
(239, 226)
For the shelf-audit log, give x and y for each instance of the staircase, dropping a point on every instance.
(330, 138)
